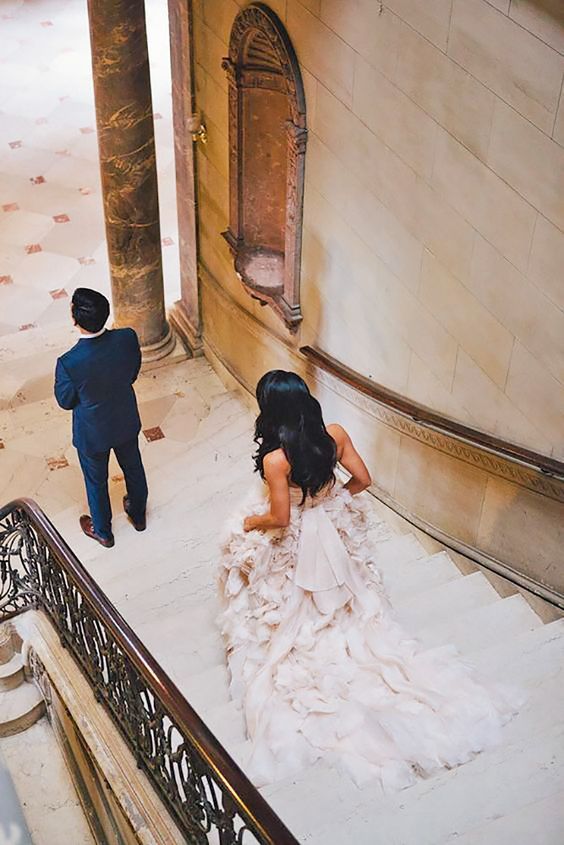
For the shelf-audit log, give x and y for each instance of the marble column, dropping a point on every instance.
(124, 116)
(185, 314)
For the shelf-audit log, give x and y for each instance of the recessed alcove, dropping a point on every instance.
(267, 141)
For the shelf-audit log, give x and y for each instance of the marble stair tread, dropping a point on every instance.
(240, 751)
(405, 579)
(343, 806)
(547, 649)
(445, 601)
(11, 673)
(541, 822)
(198, 627)
(210, 651)
(227, 722)
(538, 653)
(399, 547)
(483, 626)
(199, 638)
(542, 706)
(20, 708)
(207, 689)
(495, 783)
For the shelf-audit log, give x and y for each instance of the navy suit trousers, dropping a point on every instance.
(95, 471)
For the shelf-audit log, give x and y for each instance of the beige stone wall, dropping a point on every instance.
(433, 254)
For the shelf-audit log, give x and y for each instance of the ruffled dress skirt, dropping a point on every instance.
(321, 667)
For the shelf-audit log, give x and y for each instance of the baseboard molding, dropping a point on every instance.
(494, 565)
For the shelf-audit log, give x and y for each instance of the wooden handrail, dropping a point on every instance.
(232, 779)
(426, 417)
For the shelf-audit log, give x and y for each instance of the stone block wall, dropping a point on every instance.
(433, 248)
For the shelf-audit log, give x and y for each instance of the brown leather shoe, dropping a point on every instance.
(139, 526)
(88, 528)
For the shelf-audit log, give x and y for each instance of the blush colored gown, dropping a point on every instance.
(321, 667)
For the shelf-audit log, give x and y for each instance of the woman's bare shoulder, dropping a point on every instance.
(337, 432)
(340, 436)
(276, 461)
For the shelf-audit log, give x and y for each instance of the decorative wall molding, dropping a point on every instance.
(493, 464)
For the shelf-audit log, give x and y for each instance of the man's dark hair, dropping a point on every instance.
(90, 309)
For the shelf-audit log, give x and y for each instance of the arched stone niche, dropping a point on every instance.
(267, 144)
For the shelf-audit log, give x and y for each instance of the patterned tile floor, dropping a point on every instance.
(51, 218)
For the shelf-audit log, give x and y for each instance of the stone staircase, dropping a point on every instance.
(21, 702)
(513, 795)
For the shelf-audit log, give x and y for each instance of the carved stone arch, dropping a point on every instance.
(267, 143)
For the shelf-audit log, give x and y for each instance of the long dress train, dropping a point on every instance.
(321, 667)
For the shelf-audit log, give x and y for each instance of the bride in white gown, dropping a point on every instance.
(317, 661)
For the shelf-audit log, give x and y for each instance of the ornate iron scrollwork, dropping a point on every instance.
(32, 573)
(20, 559)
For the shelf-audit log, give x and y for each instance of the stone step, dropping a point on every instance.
(434, 589)
(11, 673)
(240, 751)
(538, 653)
(455, 795)
(207, 689)
(446, 601)
(484, 626)
(227, 723)
(541, 822)
(20, 708)
(401, 547)
(531, 661)
(408, 578)
(444, 807)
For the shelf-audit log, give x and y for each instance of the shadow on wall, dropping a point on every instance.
(524, 529)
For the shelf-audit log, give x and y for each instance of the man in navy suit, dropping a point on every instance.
(95, 379)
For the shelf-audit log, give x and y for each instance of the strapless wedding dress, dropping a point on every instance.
(321, 667)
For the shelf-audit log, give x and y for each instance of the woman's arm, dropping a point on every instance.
(276, 473)
(349, 458)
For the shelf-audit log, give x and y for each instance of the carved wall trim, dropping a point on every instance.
(470, 454)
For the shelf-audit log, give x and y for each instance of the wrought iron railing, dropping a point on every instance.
(209, 797)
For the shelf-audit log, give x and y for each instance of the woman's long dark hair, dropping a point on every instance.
(290, 419)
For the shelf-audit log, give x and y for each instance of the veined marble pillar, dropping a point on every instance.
(185, 315)
(124, 116)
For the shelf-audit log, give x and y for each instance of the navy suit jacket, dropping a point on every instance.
(95, 379)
